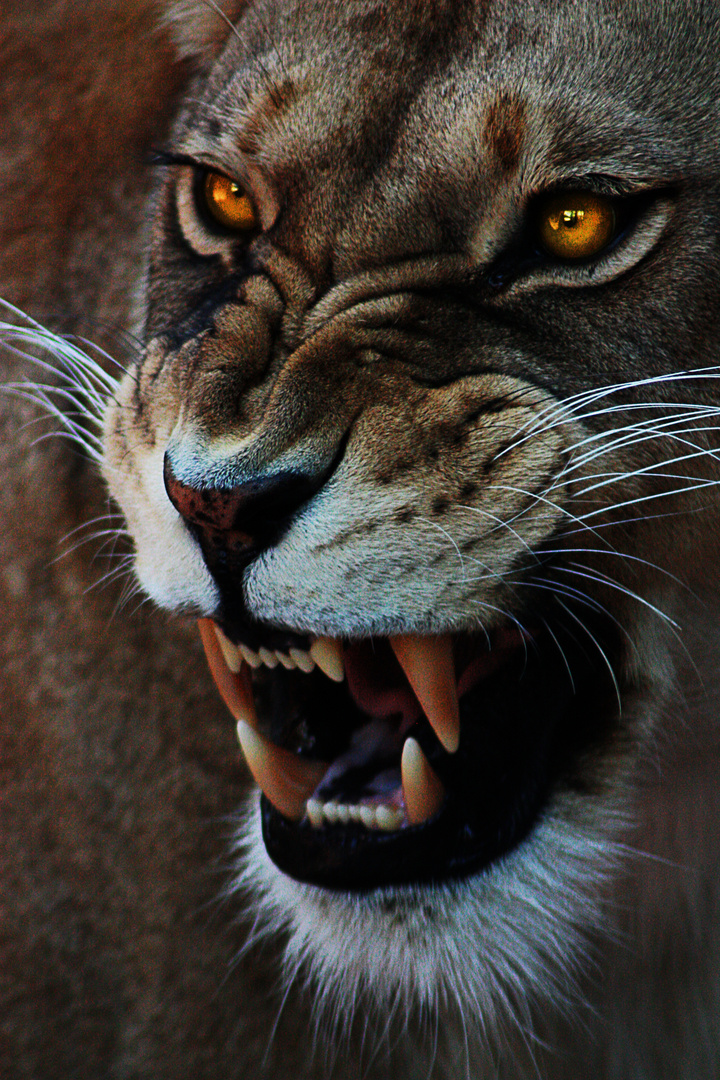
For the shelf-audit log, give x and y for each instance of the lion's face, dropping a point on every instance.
(414, 427)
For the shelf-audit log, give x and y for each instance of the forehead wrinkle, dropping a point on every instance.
(248, 116)
(263, 115)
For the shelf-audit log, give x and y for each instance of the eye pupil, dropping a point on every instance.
(569, 219)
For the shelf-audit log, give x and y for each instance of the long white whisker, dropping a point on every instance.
(86, 373)
(625, 556)
(43, 395)
(558, 413)
(449, 537)
(499, 524)
(542, 498)
(598, 646)
(692, 486)
(562, 653)
(601, 579)
(630, 434)
(109, 535)
(698, 451)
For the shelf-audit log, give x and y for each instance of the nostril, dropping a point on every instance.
(206, 507)
(253, 512)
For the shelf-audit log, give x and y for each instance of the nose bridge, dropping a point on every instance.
(291, 424)
(240, 494)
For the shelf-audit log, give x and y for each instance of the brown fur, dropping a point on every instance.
(119, 771)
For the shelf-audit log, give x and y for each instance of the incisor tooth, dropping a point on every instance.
(314, 811)
(387, 818)
(327, 654)
(429, 668)
(268, 658)
(367, 816)
(287, 661)
(303, 660)
(234, 686)
(423, 791)
(229, 651)
(250, 657)
(286, 779)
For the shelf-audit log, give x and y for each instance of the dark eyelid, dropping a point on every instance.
(612, 187)
(166, 158)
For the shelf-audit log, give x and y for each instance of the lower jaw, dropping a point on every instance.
(525, 731)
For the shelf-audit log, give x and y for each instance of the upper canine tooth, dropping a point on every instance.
(327, 654)
(234, 686)
(229, 651)
(423, 790)
(429, 668)
(286, 779)
(268, 658)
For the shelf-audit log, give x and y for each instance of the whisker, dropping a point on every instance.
(542, 498)
(647, 469)
(568, 409)
(445, 533)
(500, 523)
(602, 579)
(560, 649)
(694, 485)
(599, 648)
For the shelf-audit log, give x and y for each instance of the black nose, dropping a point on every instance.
(252, 515)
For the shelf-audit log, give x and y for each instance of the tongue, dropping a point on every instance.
(377, 684)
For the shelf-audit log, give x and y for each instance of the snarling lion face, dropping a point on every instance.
(423, 434)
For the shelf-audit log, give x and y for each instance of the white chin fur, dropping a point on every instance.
(476, 944)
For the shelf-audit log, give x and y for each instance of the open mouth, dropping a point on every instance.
(410, 759)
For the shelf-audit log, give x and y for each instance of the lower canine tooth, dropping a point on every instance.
(327, 654)
(286, 779)
(234, 687)
(423, 791)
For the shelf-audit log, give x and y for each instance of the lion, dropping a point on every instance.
(378, 342)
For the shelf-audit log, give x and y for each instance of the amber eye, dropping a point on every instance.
(576, 225)
(226, 202)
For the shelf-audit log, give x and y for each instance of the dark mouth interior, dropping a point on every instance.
(530, 706)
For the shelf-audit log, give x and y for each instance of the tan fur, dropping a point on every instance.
(129, 925)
